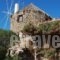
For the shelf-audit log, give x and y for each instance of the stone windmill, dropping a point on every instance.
(30, 13)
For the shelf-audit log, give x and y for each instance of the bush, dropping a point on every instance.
(3, 52)
(48, 53)
(29, 28)
(4, 42)
(42, 28)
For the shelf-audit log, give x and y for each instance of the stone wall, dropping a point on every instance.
(27, 15)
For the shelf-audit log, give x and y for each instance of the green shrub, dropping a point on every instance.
(44, 27)
(3, 52)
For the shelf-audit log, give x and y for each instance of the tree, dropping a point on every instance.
(4, 42)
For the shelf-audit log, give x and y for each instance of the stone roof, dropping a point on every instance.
(31, 6)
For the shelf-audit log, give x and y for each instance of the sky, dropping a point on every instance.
(51, 7)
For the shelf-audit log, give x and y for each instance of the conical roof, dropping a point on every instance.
(31, 6)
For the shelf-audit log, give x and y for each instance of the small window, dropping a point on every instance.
(36, 38)
(17, 19)
(20, 18)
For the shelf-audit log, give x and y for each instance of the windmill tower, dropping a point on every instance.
(14, 24)
(31, 13)
(16, 18)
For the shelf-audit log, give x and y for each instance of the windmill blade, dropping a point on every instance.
(7, 4)
(9, 13)
(4, 12)
(12, 1)
(2, 20)
(6, 22)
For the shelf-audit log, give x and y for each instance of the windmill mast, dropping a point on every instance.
(16, 9)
